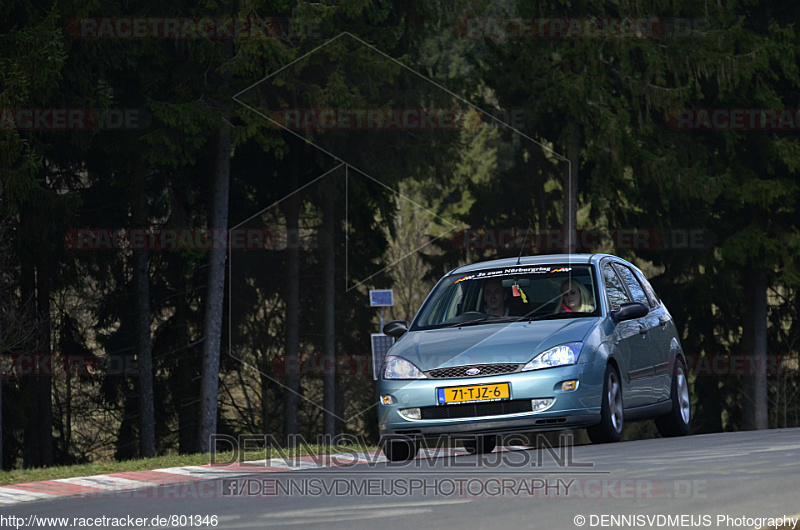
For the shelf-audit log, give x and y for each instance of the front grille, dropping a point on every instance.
(461, 371)
(475, 410)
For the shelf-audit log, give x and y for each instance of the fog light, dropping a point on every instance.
(568, 386)
(542, 404)
(386, 399)
(411, 414)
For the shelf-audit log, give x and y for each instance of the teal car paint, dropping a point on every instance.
(533, 344)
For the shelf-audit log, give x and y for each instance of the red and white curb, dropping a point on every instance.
(134, 480)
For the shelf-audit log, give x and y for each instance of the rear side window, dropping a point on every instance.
(651, 293)
(634, 287)
(614, 288)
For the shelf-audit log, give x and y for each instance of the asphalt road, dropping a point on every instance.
(708, 481)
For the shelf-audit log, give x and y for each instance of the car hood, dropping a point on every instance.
(517, 342)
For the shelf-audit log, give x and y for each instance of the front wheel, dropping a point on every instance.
(676, 422)
(612, 418)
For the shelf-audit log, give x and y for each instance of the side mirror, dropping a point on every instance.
(629, 311)
(395, 328)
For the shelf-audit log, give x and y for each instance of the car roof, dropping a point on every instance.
(549, 259)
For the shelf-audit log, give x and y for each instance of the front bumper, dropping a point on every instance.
(570, 409)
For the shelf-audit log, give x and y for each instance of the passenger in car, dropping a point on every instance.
(574, 298)
(495, 297)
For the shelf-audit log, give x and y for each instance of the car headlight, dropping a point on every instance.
(561, 355)
(397, 368)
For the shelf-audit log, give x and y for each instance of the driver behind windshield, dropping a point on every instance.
(495, 297)
(574, 298)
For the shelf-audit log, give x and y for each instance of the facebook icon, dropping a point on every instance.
(230, 487)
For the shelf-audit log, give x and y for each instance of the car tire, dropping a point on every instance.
(400, 450)
(677, 421)
(480, 444)
(612, 416)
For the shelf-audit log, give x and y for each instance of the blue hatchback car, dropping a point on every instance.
(528, 344)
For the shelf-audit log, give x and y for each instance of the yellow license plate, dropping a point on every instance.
(472, 393)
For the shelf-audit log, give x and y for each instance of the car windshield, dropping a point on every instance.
(525, 292)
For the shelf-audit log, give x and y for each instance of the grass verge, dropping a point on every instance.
(18, 476)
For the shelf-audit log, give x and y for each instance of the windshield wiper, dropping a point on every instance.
(490, 319)
(554, 316)
(479, 320)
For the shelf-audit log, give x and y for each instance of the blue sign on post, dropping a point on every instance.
(382, 298)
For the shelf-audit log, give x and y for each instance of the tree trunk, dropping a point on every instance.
(144, 345)
(292, 213)
(186, 391)
(141, 278)
(209, 384)
(709, 398)
(31, 444)
(44, 392)
(571, 193)
(754, 347)
(328, 307)
(264, 382)
(1, 382)
(67, 433)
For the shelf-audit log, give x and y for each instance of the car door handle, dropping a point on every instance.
(642, 330)
(663, 321)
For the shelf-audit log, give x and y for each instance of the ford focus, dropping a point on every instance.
(532, 344)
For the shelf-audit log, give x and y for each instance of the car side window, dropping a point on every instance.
(634, 287)
(445, 307)
(614, 288)
(651, 293)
